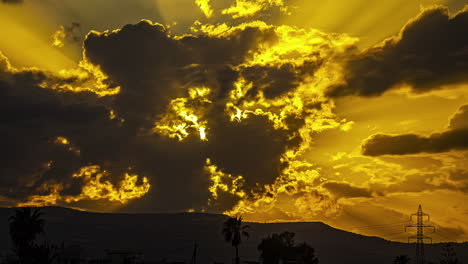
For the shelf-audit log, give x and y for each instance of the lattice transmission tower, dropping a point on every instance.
(420, 237)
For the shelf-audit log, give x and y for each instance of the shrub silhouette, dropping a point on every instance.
(278, 248)
(448, 255)
(402, 259)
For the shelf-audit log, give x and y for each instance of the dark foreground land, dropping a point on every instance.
(172, 237)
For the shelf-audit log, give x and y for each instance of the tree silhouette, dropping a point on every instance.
(272, 248)
(306, 254)
(233, 231)
(402, 259)
(287, 238)
(280, 247)
(449, 256)
(25, 225)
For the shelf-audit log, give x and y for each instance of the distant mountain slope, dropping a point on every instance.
(172, 236)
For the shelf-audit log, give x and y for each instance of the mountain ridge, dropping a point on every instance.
(171, 236)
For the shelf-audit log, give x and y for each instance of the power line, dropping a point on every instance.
(444, 237)
(378, 226)
(452, 232)
(393, 234)
(383, 227)
(391, 245)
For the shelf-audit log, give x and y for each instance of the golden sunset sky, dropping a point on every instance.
(350, 112)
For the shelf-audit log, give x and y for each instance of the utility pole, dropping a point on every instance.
(194, 255)
(419, 237)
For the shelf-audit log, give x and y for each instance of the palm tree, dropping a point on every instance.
(402, 259)
(25, 225)
(233, 231)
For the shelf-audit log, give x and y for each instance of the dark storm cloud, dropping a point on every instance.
(252, 148)
(410, 143)
(456, 138)
(276, 81)
(344, 190)
(152, 68)
(431, 51)
(260, 77)
(31, 119)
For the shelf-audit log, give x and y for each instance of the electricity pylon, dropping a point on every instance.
(420, 237)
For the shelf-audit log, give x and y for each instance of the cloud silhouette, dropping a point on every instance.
(429, 52)
(455, 138)
(152, 93)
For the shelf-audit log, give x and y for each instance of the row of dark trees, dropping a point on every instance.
(276, 248)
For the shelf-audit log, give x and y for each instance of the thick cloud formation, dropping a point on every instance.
(431, 51)
(156, 73)
(456, 138)
(154, 68)
(31, 120)
(411, 143)
(274, 82)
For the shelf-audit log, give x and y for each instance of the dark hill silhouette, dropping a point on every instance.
(172, 236)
